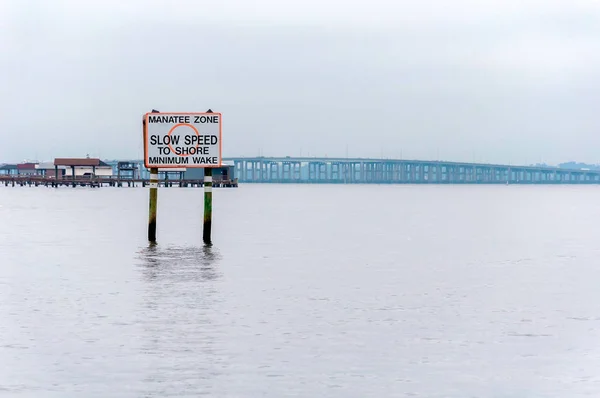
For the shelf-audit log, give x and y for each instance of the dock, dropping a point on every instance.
(98, 182)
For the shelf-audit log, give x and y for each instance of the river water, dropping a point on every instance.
(308, 291)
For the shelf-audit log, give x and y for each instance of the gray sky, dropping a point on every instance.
(505, 81)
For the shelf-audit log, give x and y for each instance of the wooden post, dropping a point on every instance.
(153, 204)
(207, 205)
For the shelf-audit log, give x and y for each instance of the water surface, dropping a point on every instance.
(308, 291)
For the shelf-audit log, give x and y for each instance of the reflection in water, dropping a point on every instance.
(179, 318)
(197, 263)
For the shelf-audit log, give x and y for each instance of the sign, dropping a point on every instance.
(182, 140)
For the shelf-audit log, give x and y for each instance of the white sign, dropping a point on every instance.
(182, 140)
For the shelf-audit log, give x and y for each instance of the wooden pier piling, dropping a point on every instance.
(207, 205)
(153, 205)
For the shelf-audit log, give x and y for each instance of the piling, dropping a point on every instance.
(153, 204)
(207, 205)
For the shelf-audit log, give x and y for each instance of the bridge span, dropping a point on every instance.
(399, 171)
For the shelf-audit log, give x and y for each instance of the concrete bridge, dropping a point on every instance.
(390, 171)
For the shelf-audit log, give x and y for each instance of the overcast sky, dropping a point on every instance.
(504, 81)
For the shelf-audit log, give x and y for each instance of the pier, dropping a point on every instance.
(97, 182)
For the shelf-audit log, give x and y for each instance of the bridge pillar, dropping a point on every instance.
(389, 172)
(264, 168)
(322, 172)
(274, 171)
(238, 167)
(362, 172)
(371, 172)
(335, 171)
(375, 168)
(349, 168)
(285, 171)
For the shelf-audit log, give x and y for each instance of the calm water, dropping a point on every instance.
(308, 291)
